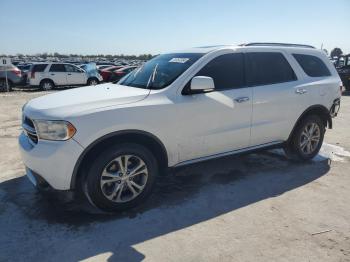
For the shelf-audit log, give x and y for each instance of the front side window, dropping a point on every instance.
(266, 68)
(226, 70)
(312, 65)
(71, 68)
(57, 68)
(160, 71)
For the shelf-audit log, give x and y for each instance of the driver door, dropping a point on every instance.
(75, 75)
(219, 121)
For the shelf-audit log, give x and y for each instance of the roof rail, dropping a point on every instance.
(278, 44)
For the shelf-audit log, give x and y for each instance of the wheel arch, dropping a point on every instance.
(146, 139)
(92, 77)
(319, 110)
(47, 79)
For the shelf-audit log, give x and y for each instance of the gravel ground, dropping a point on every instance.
(257, 207)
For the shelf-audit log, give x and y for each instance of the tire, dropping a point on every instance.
(117, 195)
(92, 82)
(3, 87)
(47, 85)
(299, 147)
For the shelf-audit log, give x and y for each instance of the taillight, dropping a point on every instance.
(341, 86)
(16, 72)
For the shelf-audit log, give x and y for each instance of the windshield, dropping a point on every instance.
(160, 71)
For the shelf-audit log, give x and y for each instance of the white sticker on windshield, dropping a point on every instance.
(179, 60)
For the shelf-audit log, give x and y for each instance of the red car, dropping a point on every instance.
(107, 72)
(118, 74)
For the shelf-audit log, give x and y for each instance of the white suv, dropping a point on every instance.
(179, 108)
(49, 75)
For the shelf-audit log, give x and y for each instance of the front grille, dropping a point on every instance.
(29, 129)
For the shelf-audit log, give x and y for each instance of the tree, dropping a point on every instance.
(336, 52)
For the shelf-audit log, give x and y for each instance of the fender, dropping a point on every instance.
(116, 134)
(318, 110)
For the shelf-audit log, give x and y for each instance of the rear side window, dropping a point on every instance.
(39, 68)
(57, 68)
(312, 65)
(266, 68)
(227, 71)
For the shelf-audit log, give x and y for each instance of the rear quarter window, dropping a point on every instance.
(312, 65)
(39, 68)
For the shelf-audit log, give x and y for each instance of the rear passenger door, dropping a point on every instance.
(276, 103)
(58, 74)
(75, 76)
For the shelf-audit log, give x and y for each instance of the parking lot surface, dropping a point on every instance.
(256, 207)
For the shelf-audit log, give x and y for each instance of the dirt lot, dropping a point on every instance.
(257, 207)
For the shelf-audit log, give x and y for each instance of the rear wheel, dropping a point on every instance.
(121, 177)
(307, 139)
(3, 85)
(46, 85)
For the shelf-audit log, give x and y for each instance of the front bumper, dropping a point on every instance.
(53, 161)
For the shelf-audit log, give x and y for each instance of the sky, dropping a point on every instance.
(156, 26)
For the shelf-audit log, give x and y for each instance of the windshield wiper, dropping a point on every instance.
(152, 77)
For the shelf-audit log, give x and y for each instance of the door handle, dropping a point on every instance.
(241, 99)
(300, 91)
(52, 74)
(69, 74)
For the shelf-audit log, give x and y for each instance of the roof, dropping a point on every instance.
(207, 49)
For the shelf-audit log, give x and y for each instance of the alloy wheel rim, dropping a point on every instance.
(47, 86)
(310, 138)
(124, 178)
(93, 82)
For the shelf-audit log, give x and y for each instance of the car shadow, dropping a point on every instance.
(73, 230)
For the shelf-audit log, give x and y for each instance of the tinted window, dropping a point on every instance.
(39, 68)
(227, 71)
(312, 65)
(71, 68)
(268, 68)
(57, 68)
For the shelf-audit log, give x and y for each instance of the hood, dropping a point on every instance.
(71, 102)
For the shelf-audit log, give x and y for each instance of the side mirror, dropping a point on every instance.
(201, 84)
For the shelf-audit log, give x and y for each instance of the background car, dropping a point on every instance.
(49, 75)
(14, 77)
(24, 69)
(343, 69)
(120, 73)
(106, 73)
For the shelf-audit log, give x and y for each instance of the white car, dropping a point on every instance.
(179, 108)
(49, 75)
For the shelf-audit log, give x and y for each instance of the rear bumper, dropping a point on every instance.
(50, 161)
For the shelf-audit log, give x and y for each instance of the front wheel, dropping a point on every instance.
(121, 177)
(307, 138)
(3, 85)
(92, 82)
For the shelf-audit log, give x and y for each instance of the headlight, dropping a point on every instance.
(54, 130)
